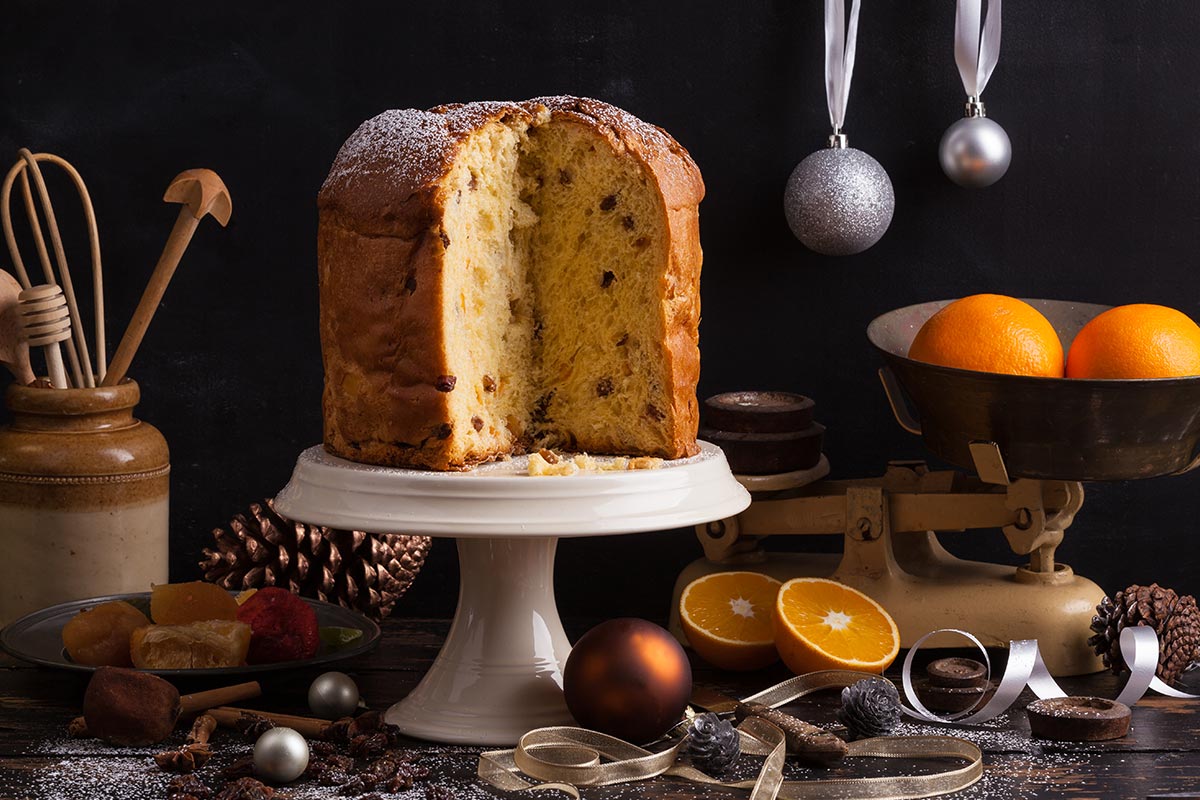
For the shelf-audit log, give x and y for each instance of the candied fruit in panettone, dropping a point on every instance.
(196, 645)
(181, 603)
(99, 636)
(285, 627)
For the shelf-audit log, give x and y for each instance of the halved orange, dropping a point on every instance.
(727, 617)
(823, 624)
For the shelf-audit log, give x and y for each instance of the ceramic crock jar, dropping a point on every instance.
(83, 497)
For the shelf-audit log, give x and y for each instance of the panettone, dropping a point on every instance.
(499, 276)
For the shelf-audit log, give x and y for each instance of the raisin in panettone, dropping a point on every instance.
(501, 276)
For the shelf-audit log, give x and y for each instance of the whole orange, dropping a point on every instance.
(990, 333)
(1136, 341)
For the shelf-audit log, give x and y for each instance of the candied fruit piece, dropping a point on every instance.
(285, 627)
(99, 636)
(181, 603)
(197, 645)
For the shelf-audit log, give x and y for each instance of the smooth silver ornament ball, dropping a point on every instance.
(333, 695)
(280, 755)
(839, 201)
(975, 152)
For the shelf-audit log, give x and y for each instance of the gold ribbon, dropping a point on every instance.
(564, 758)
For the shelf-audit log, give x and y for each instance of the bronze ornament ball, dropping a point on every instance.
(628, 678)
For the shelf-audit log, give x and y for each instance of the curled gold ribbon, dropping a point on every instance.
(564, 758)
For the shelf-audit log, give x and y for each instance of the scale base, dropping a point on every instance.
(996, 603)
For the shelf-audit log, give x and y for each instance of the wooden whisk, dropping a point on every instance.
(23, 171)
(46, 322)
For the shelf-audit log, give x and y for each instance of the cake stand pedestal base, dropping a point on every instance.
(499, 673)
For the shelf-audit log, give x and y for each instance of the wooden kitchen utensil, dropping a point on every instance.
(78, 353)
(14, 351)
(128, 707)
(45, 323)
(201, 192)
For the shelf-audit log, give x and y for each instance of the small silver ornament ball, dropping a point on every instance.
(280, 755)
(839, 201)
(975, 152)
(333, 695)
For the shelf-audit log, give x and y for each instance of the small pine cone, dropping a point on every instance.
(1175, 619)
(433, 792)
(713, 743)
(188, 787)
(245, 789)
(1179, 640)
(870, 708)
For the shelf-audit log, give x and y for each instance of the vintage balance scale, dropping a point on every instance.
(1030, 442)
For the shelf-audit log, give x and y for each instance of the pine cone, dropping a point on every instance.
(713, 743)
(361, 571)
(1175, 619)
(870, 707)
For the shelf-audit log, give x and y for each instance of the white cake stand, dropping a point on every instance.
(499, 673)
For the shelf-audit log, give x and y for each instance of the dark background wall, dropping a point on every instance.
(1100, 205)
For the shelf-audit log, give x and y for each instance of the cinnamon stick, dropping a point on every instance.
(201, 701)
(808, 743)
(307, 726)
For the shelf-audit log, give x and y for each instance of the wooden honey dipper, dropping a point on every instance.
(46, 322)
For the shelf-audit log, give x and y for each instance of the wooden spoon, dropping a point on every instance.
(202, 193)
(14, 352)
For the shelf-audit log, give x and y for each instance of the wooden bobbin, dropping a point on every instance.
(46, 322)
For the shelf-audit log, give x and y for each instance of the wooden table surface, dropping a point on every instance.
(1161, 757)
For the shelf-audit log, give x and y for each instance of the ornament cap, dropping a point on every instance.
(838, 141)
(974, 107)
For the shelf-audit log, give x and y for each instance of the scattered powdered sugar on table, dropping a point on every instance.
(1015, 766)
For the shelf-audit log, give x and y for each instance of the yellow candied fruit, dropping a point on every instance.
(181, 603)
(99, 636)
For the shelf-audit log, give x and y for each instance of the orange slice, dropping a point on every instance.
(728, 619)
(823, 624)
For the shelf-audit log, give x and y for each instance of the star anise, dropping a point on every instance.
(252, 726)
(188, 758)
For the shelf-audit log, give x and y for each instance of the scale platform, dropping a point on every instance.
(499, 673)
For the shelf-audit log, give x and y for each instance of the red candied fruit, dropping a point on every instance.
(284, 627)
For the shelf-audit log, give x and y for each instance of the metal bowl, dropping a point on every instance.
(1052, 428)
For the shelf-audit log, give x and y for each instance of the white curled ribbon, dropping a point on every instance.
(1139, 649)
(841, 42)
(976, 43)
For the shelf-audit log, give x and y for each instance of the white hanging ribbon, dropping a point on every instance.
(976, 47)
(1139, 648)
(840, 44)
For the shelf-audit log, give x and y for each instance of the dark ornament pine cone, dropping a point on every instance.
(361, 571)
(870, 707)
(713, 743)
(1175, 619)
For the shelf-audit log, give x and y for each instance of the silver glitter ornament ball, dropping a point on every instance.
(975, 152)
(333, 695)
(280, 755)
(839, 201)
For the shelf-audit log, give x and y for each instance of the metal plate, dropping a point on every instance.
(1052, 428)
(37, 638)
